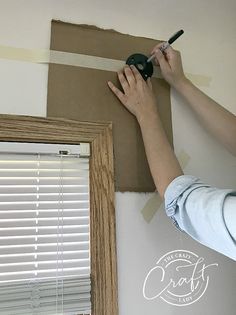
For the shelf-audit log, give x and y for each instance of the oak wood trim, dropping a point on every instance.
(102, 193)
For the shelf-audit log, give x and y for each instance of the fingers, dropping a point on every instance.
(138, 76)
(149, 83)
(117, 92)
(168, 51)
(164, 65)
(123, 81)
(158, 46)
(126, 78)
(129, 76)
(127, 81)
(136, 73)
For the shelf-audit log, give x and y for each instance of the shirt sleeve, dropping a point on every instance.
(203, 211)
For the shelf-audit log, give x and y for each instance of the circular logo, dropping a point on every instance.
(179, 278)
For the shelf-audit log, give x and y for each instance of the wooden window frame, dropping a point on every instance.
(104, 296)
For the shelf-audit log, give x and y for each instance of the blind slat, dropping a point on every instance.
(45, 265)
(43, 239)
(43, 181)
(45, 274)
(8, 259)
(21, 189)
(7, 223)
(24, 249)
(43, 230)
(21, 214)
(45, 205)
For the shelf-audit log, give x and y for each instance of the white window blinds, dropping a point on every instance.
(44, 233)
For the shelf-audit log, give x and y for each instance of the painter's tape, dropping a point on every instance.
(198, 79)
(151, 207)
(63, 58)
(183, 158)
(155, 202)
(22, 54)
(85, 61)
(80, 60)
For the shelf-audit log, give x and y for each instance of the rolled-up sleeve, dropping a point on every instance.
(198, 209)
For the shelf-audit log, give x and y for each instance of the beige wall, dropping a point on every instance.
(208, 48)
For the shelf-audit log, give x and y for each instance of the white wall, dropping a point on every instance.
(208, 47)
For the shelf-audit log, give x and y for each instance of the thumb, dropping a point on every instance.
(164, 65)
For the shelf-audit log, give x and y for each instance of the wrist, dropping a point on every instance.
(181, 85)
(148, 117)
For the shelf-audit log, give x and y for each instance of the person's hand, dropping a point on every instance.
(137, 95)
(171, 65)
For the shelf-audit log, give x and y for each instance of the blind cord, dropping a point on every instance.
(60, 260)
(62, 232)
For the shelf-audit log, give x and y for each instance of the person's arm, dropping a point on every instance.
(194, 207)
(138, 98)
(216, 119)
(204, 212)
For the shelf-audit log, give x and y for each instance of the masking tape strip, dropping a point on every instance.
(22, 54)
(183, 158)
(155, 202)
(63, 58)
(198, 79)
(85, 61)
(151, 207)
(79, 60)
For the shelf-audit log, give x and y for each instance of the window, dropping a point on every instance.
(44, 229)
(103, 273)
